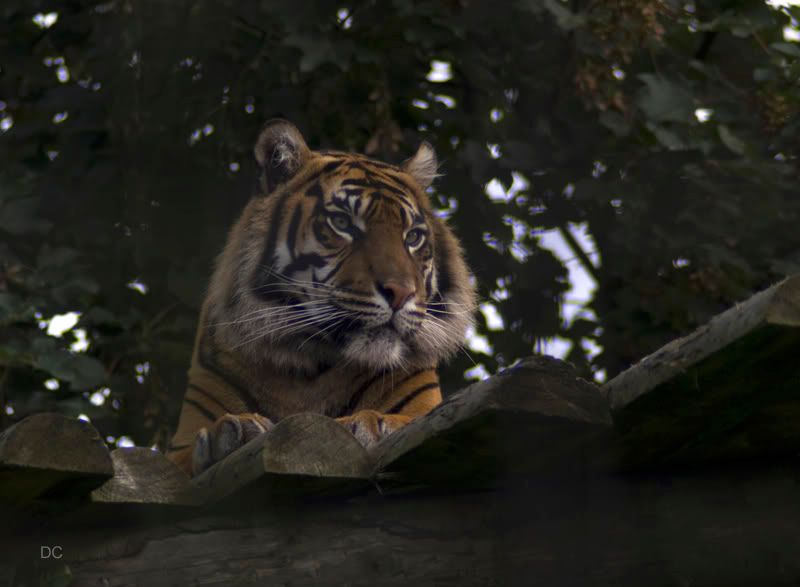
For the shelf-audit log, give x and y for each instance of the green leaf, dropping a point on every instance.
(565, 19)
(730, 140)
(663, 100)
(80, 371)
(615, 122)
(787, 49)
(19, 216)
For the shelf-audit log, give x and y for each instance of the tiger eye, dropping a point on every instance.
(340, 222)
(415, 237)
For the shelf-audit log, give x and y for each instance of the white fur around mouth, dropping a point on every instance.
(381, 347)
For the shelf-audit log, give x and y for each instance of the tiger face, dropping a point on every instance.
(340, 257)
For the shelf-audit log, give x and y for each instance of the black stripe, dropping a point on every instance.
(355, 399)
(262, 275)
(335, 269)
(210, 397)
(382, 165)
(332, 166)
(293, 226)
(303, 262)
(411, 397)
(315, 191)
(202, 409)
(410, 377)
(206, 357)
(443, 278)
(404, 183)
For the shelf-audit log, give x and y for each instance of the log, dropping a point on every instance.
(730, 390)
(537, 416)
(304, 454)
(709, 528)
(482, 433)
(48, 455)
(144, 476)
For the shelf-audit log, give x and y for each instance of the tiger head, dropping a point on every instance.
(339, 257)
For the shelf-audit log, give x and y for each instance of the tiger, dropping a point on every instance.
(339, 291)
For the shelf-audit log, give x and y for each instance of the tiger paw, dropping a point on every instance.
(369, 426)
(228, 433)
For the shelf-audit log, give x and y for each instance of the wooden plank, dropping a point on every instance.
(303, 454)
(144, 476)
(536, 416)
(729, 527)
(729, 390)
(46, 455)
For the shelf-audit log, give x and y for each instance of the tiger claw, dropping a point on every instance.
(227, 434)
(370, 426)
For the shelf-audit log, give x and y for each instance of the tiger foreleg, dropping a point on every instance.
(369, 426)
(228, 433)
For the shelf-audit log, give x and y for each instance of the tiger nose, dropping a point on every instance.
(396, 295)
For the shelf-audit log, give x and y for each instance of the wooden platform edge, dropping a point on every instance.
(778, 305)
(302, 447)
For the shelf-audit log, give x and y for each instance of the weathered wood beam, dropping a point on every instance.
(144, 476)
(305, 453)
(49, 454)
(537, 416)
(729, 390)
(707, 528)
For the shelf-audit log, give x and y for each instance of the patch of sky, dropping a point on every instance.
(782, 3)
(98, 398)
(478, 343)
(582, 284)
(61, 323)
(137, 285)
(476, 373)
(81, 344)
(44, 20)
(494, 321)
(440, 72)
(703, 114)
(681, 263)
(497, 192)
(555, 346)
(344, 15)
(125, 442)
(142, 369)
(448, 101)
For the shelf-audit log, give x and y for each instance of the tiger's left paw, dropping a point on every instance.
(369, 426)
(228, 433)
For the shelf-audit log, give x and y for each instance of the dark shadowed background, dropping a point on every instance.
(618, 170)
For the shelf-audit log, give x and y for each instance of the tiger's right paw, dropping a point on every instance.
(228, 433)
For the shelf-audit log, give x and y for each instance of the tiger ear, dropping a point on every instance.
(280, 151)
(423, 165)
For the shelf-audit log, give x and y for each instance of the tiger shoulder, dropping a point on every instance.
(339, 291)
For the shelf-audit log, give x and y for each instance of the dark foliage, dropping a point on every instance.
(127, 129)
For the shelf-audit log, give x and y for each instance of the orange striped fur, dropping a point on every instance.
(339, 292)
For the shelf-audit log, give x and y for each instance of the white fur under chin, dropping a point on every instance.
(378, 348)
